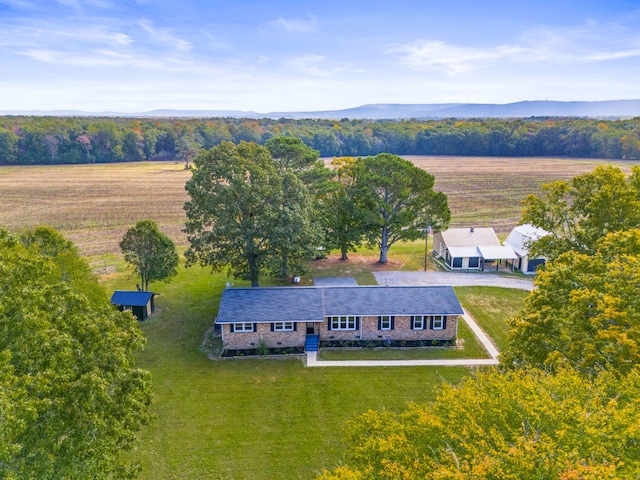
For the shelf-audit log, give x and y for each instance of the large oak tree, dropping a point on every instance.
(244, 212)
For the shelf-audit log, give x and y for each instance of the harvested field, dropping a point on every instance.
(93, 205)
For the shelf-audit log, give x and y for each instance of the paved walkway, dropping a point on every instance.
(312, 357)
(454, 279)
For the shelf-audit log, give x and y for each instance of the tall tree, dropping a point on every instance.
(71, 398)
(301, 171)
(512, 425)
(401, 198)
(580, 212)
(343, 220)
(235, 214)
(584, 311)
(188, 147)
(152, 254)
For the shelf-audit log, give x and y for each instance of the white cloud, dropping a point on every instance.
(295, 25)
(316, 65)
(165, 36)
(587, 44)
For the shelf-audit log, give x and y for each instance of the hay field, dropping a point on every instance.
(93, 205)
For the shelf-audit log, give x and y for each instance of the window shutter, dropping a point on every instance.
(393, 321)
(411, 322)
(379, 323)
(444, 322)
(329, 323)
(357, 323)
(295, 326)
(255, 327)
(431, 322)
(273, 327)
(232, 328)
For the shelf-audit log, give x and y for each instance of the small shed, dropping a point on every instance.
(141, 304)
(520, 239)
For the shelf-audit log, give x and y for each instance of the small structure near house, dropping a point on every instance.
(304, 317)
(519, 239)
(141, 304)
(470, 248)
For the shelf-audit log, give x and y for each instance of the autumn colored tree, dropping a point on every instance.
(580, 212)
(504, 425)
(584, 311)
(71, 397)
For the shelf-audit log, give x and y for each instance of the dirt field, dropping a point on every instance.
(93, 205)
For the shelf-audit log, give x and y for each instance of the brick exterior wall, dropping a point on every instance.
(244, 340)
(368, 330)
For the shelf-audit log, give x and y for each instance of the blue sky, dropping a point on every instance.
(138, 55)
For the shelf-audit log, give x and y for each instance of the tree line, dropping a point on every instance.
(71, 140)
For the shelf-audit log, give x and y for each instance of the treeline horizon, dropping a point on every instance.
(80, 140)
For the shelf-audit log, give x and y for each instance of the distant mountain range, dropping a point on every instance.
(542, 108)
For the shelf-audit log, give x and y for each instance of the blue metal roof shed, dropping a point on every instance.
(140, 303)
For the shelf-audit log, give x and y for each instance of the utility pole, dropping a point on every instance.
(426, 245)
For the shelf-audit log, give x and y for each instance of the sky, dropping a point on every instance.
(285, 55)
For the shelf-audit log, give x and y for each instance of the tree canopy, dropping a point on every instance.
(584, 311)
(400, 199)
(580, 212)
(244, 212)
(507, 425)
(71, 398)
(152, 253)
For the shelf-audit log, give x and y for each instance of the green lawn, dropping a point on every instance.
(264, 418)
(492, 307)
(245, 418)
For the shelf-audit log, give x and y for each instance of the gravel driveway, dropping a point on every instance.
(454, 279)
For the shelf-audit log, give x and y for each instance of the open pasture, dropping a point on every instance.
(93, 205)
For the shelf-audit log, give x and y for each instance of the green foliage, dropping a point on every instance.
(152, 254)
(40, 140)
(71, 398)
(580, 212)
(584, 312)
(399, 200)
(246, 213)
(510, 425)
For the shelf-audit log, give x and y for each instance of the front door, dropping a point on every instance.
(311, 328)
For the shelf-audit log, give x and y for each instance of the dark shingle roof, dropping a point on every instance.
(131, 298)
(300, 304)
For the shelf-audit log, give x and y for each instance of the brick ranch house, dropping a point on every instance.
(296, 317)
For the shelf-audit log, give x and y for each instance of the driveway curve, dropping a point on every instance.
(453, 279)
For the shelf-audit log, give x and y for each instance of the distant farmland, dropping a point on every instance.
(93, 205)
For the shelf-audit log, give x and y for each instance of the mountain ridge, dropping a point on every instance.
(392, 111)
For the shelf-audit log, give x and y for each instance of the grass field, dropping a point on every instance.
(93, 205)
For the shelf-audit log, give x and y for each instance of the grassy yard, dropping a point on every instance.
(247, 418)
(491, 307)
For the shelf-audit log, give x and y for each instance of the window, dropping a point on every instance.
(283, 327)
(457, 263)
(437, 322)
(417, 322)
(474, 262)
(243, 327)
(385, 322)
(343, 323)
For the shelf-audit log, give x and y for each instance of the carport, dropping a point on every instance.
(497, 254)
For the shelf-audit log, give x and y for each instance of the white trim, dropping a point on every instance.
(344, 322)
(421, 318)
(437, 318)
(244, 327)
(283, 326)
(383, 319)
